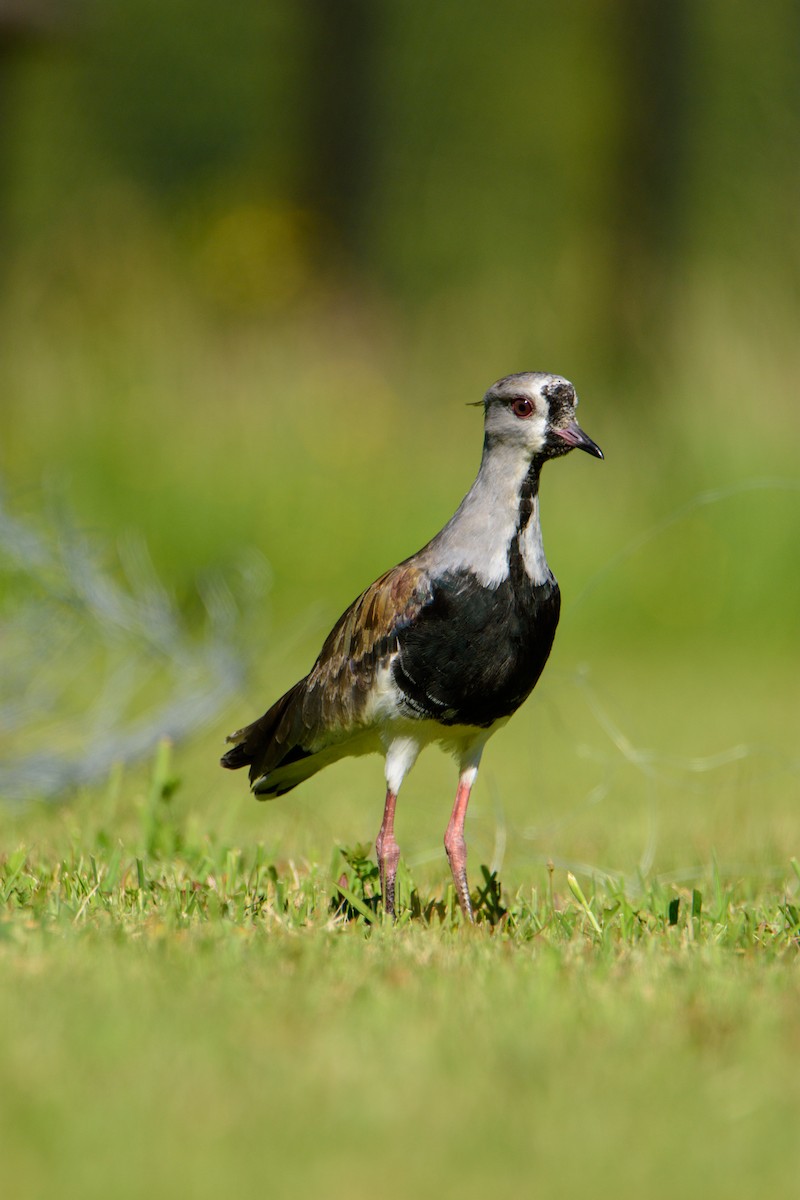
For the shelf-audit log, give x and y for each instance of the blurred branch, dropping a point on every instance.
(340, 115)
(653, 42)
(25, 19)
(96, 663)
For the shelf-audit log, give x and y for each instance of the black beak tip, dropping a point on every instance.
(584, 442)
(576, 439)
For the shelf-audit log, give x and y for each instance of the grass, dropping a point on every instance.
(199, 994)
(214, 889)
(202, 1016)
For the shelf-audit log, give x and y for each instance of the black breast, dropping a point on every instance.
(475, 653)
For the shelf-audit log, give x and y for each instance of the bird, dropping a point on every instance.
(444, 647)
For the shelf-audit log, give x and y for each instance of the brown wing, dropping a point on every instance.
(329, 704)
(359, 644)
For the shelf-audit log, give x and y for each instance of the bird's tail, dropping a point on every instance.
(272, 744)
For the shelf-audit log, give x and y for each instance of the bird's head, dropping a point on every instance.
(535, 412)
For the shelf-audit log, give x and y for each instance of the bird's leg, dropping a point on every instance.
(388, 852)
(454, 842)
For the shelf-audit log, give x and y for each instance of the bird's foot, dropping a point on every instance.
(456, 849)
(387, 896)
(462, 888)
(388, 874)
(388, 853)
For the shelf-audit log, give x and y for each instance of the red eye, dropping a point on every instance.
(522, 407)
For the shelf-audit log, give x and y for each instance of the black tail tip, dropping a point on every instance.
(235, 758)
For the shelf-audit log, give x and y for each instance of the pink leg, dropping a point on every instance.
(388, 852)
(454, 842)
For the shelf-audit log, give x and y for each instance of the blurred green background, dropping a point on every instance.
(255, 262)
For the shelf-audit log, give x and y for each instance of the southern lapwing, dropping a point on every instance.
(444, 647)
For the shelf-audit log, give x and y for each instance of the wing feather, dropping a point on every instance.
(361, 642)
(331, 703)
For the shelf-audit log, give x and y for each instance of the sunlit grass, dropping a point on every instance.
(212, 1015)
(200, 992)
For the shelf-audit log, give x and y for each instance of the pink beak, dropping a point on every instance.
(573, 435)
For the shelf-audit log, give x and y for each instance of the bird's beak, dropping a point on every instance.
(576, 439)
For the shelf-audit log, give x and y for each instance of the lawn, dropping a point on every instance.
(199, 994)
(203, 1018)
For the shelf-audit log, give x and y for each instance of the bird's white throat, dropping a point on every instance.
(479, 537)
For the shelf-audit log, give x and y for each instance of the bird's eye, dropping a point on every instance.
(522, 407)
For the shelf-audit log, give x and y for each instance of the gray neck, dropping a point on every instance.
(501, 506)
